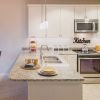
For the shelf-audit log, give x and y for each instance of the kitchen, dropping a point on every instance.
(17, 40)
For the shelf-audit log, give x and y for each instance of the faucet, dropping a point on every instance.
(41, 53)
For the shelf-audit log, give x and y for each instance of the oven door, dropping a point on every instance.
(89, 67)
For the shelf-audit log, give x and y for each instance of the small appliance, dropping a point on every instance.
(85, 26)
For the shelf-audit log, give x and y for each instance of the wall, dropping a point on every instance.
(12, 31)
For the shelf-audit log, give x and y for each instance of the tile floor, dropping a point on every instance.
(13, 90)
(91, 91)
(18, 91)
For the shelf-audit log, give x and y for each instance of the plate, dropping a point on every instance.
(30, 68)
(44, 74)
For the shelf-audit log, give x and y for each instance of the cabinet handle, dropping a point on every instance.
(0, 53)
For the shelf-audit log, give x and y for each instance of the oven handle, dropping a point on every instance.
(87, 58)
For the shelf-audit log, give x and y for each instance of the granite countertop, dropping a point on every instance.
(92, 51)
(65, 73)
(69, 52)
(87, 54)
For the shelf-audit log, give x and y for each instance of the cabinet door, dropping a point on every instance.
(92, 12)
(67, 22)
(98, 35)
(65, 57)
(72, 59)
(53, 17)
(79, 12)
(34, 20)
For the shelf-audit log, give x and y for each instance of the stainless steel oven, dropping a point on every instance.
(85, 26)
(89, 65)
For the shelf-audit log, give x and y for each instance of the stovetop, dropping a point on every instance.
(90, 53)
(85, 52)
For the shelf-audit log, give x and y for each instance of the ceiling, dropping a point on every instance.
(64, 1)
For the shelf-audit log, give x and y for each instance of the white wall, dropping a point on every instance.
(12, 31)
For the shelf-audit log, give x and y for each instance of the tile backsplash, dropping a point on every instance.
(62, 42)
(51, 42)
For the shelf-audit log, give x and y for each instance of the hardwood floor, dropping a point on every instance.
(13, 90)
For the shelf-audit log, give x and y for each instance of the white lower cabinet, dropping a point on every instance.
(71, 60)
(55, 90)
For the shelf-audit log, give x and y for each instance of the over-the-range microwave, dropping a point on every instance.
(85, 26)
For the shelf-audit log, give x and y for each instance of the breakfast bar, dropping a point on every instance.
(66, 85)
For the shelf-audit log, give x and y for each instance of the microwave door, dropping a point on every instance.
(95, 27)
(84, 27)
(88, 27)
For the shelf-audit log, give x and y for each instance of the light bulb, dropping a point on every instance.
(44, 25)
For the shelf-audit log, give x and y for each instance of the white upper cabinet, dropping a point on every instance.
(98, 15)
(60, 19)
(99, 12)
(92, 12)
(53, 17)
(79, 12)
(67, 22)
(34, 20)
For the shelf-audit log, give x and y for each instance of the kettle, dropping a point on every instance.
(85, 48)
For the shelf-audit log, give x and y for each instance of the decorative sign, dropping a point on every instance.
(78, 40)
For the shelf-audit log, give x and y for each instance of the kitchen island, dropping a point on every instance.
(67, 85)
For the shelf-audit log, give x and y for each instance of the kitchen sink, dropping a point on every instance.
(51, 59)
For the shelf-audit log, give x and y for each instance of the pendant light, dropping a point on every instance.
(85, 17)
(44, 22)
